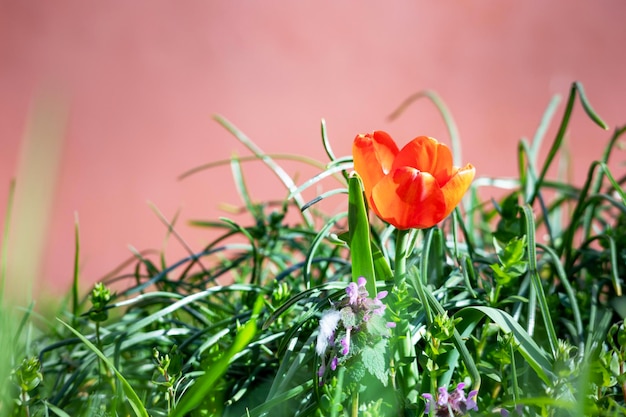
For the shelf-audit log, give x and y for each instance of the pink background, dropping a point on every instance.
(138, 82)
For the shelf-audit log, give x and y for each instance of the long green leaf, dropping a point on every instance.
(330, 171)
(133, 398)
(536, 279)
(556, 145)
(326, 142)
(251, 158)
(448, 120)
(279, 399)
(382, 269)
(360, 248)
(75, 289)
(308, 293)
(56, 410)
(564, 279)
(203, 385)
(242, 188)
(135, 326)
(536, 357)
(459, 343)
(315, 244)
(587, 106)
(267, 160)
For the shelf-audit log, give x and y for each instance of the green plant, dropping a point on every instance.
(344, 315)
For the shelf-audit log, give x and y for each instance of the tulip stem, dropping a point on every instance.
(402, 240)
(406, 349)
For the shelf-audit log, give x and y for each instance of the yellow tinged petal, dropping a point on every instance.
(456, 187)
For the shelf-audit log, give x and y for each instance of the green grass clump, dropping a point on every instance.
(532, 326)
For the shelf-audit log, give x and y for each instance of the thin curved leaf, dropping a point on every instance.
(536, 357)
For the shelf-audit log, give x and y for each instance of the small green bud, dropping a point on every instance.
(100, 298)
(28, 375)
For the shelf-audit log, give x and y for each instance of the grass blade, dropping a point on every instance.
(534, 355)
(556, 145)
(267, 160)
(445, 114)
(536, 279)
(75, 289)
(133, 398)
(326, 142)
(203, 385)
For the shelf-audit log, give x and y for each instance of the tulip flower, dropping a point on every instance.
(412, 188)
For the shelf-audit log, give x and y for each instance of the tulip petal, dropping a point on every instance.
(428, 155)
(373, 155)
(457, 186)
(408, 198)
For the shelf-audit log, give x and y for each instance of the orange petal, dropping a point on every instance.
(373, 155)
(428, 155)
(457, 186)
(408, 198)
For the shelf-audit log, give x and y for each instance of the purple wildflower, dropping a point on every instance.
(451, 403)
(442, 398)
(457, 396)
(333, 363)
(470, 403)
(353, 293)
(355, 313)
(322, 369)
(429, 403)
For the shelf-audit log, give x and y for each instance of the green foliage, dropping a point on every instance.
(359, 232)
(534, 324)
(512, 263)
(374, 360)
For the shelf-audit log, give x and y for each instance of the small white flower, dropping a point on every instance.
(328, 325)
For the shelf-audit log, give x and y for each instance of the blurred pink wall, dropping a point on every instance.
(138, 82)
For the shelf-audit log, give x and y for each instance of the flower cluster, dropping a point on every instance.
(451, 403)
(355, 317)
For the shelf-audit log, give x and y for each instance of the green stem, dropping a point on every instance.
(98, 342)
(335, 405)
(420, 282)
(25, 400)
(406, 350)
(399, 273)
(355, 404)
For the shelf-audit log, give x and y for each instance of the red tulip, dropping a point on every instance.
(412, 188)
